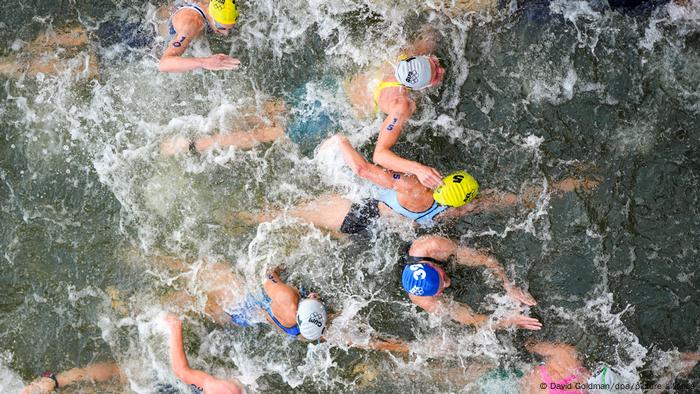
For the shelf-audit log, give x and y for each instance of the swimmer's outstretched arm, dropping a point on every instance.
(463, 314)
(173, 61)
(364, 169)
(178, 360)
(442, 248)
(401, 111)
(473, 258)
(98, 372)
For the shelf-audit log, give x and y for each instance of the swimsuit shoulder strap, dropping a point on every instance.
(419, 259)
(292, 331)
(390, 198)
(378, 91)
(198, 9)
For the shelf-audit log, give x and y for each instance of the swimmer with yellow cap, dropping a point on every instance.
(187, 23)
(401, 194)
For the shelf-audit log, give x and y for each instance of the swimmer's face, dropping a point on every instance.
(445, 281)
(221, 29)
(437, 71)
(314, 296)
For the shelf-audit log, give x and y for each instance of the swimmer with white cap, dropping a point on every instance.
(389, 92)
(297, 314)
(187, 23)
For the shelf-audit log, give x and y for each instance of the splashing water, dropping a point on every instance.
(87, 200)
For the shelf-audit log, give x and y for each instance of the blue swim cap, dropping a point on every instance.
(421, 280)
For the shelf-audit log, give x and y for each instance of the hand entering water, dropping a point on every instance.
(220, 62)
(521, 295)
(520, 321)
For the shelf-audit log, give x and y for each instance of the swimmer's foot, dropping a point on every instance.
(366, 375)
(237, 222)
(570, 184)
(9, 67)
(175, 146)
(274, 108)
(118, 305)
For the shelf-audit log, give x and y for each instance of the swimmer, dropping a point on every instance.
(284, 307)
(200, 382)
(53, 53)
(402, 196)
(187, 23)
(424, 279)
(389, 92)
(561, 367)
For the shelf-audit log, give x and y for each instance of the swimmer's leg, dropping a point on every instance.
(239, 139)
(474, 5)
(65, 38)
(9, 66)
(571, 184)
(326, 212)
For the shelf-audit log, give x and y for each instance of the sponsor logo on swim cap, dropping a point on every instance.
(316, 318)
(418, 291)
(219, 4)
(412, 77)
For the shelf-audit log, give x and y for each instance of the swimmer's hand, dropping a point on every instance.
(220, 62)
(173, 321)
(521, 322)
(428, 176)
(521, 295)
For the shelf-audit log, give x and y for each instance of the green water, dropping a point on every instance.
(86, 200)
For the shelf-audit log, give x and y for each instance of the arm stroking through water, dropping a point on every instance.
(178, 360)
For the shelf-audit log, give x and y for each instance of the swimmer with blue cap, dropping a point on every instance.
(188, 22)
(425, 280)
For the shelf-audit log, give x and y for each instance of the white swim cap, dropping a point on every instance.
(311, 318)
(414, 72)
(604, 379)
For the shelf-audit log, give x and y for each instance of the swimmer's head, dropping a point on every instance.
(419, 72)
(224, 14)
(311, 318)
(459, 188)
(424, 279)
(604, 377)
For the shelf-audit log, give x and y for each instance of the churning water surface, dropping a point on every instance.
(535, 91)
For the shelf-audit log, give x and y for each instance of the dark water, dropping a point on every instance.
(533, 94)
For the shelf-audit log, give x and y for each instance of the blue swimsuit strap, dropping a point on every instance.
(292, 331)
(390, 198)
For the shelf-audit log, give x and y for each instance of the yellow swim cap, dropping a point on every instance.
(223, 11)
(459, 188)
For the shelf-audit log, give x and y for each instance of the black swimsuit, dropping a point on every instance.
(360, 217)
